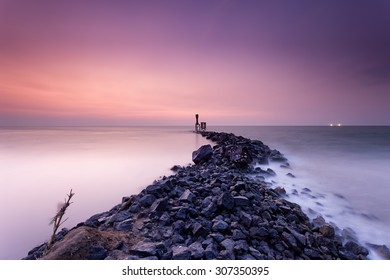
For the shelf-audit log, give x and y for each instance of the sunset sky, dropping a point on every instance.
(125, 62)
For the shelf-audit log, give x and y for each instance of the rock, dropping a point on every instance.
(312, 253)
(219, 237)
(280, 190)
(179, 225)
(319, 221)
(159, 205)
(241, 201)
(181, 253)
(228, 244)
(187, 196)
(76, 245)
(290, 240)
(241, 247)
(256, 254)
(285, 165)
(327, 230)
(203, 154)
(240, 155)
(120, 216)
(290, 175)
(356, 248)
(97, 252)
(276, 156)
(210, 209)
(182, 213)
(270, 172)
(381, 250)
(175, 168)
(145, 249)
(226, 200)
(211, 252)
(220, 226)
(238, 234)
(198, 230)
(246, 219)
(147, 200)
(125, 225)
(258, 232)
(197, 250)
(154, 189)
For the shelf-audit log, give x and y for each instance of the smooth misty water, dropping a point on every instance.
(38, 167)
(346, 168)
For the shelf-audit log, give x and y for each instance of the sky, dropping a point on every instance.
(124, 62)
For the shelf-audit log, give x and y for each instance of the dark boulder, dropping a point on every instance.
(239, 155)
(203, 154)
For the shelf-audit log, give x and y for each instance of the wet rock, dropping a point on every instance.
(175, 168)
(290, 175)
(203, 154)
(285, 165)
(327, 230)
(381, 250)
(276, 156)
(356, 248)
(280, 190)
(318, 221)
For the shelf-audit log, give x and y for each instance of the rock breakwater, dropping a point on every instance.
(219, 208)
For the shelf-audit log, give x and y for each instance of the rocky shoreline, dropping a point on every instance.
(219, 208)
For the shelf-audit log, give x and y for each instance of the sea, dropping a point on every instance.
(341, 173)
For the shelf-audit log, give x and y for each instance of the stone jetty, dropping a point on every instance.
(220, 207)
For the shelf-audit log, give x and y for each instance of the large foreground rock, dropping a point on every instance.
(203, 154)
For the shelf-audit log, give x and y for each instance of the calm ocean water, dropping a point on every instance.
(345, 168)
(39, 166)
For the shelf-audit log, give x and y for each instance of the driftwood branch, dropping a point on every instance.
(57, 220)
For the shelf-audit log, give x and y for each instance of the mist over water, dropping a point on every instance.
(346, 170)
(38, 167)
(342, 173)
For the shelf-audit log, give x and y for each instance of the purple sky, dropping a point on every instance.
(159, 62)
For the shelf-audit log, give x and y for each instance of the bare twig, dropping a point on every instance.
(57, 220)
